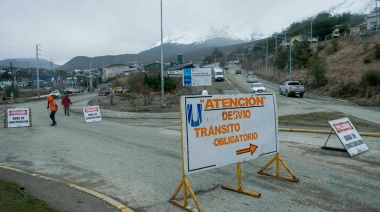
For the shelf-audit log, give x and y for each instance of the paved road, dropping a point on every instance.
(141, 166)
(309, 103)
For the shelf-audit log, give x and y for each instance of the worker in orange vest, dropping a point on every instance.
(49, 98)
(53, 109)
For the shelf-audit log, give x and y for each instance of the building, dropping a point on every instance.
(373, 22)
(177, 70)
(118, 70)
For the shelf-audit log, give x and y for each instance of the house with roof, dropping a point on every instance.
(373, 22)
(118, 70)
(177, 70)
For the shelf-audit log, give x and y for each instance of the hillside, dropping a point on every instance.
(354, 58)
(28, 63)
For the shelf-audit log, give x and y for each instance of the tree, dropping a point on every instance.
(301, 53)
(317, 68)
(5, 76)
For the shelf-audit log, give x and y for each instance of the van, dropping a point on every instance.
(218, 74)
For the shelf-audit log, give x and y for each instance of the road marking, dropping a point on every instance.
(111, 201)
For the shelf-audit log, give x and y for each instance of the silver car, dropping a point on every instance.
(251, 78)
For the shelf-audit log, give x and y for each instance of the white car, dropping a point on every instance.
(56, 94)
(257, 88)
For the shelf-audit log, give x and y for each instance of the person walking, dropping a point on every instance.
(66, 102)
(53, 109)
(49, 98)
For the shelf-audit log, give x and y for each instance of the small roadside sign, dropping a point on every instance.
(225, 129)
(18, 117)
(348, 136)
(92, 114)
(197, 77)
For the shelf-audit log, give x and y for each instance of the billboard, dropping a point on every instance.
(196, 77)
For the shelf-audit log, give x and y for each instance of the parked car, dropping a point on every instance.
(68, 90)
(292, 88)
(238, 71)
(257, 88)
(252, 78)
(56, 94)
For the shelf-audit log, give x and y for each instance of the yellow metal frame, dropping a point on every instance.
(184, 182)
(278, 160)
(239, 188)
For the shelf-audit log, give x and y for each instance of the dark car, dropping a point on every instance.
(68, 91)
(238, 71)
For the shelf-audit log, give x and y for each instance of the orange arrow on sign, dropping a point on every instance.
(252, 148)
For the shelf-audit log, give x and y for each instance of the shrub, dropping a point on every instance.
(377, 51)
(371, 78)
(366, 60)
(335, 45)
(317, 68)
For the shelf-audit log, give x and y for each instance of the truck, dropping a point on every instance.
(105, 89)
(292, 88)
(218, 74)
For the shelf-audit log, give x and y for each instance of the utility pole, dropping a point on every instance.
(266, 57)
(90, 76)
(51, 64)
(311, 30)
(13, 82)
(162, 66)
(38, 77)
(290, 61)
(276, 45)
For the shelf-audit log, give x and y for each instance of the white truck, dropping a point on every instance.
(218, 74)
(292, 88)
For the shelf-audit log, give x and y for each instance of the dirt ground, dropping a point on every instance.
(318, 120)
(128, 103)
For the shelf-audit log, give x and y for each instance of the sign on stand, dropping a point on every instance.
(348, 136)
(226, 129)
(92, 114)
(196, 77)
(18, 117)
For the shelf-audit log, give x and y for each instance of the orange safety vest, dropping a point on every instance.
(53, 106)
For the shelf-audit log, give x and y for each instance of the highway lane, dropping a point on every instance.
(309, 103)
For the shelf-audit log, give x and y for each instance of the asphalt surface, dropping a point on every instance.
(65, 196)
(59, 195)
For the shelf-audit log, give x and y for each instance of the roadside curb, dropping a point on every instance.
(111, 201)
(371, 134)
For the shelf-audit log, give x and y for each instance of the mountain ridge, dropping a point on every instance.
(28, 63)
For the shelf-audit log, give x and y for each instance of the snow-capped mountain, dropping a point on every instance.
(246, 32)
(354, 6)
(234, 34)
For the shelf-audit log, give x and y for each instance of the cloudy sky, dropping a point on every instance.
(70, 28)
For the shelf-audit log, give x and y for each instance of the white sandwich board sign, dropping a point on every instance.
(349, 136)
(196, 77)
(92, 114)
(219, 130)
(18, 117)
